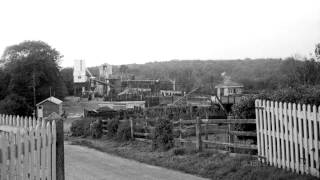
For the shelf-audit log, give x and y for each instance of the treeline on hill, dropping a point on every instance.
(29, 73)
(256, 75)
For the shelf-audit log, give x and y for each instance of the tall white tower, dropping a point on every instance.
(79, 71)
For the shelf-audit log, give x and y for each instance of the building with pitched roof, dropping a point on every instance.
(48, 106)
(229, 88)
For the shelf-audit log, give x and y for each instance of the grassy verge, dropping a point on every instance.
(209, 164)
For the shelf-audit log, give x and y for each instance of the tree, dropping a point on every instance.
(67, 77)
(123, 69)
(4, 79)
(15, 104)
(317, 51)
(34, 71)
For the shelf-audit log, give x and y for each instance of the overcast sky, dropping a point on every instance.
(139, 31)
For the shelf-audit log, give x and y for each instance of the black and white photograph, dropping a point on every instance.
(159, 90)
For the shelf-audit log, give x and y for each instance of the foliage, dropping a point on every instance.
(179, 151)
(124, 132)
(245, 108)
(317, 51)
(112, 127)
(15, 104)
(29, 66)
(257, 74)
(96, 128)
(81, 127)
(5, 80)
(67, 77)
(163, 137)
(123, 69)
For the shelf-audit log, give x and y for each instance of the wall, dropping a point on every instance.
(49, 107)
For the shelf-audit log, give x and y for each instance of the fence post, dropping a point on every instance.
(206, 137)
(180, 132)
(59, 145)
(131, 127)
(198, 134)
(229, 136)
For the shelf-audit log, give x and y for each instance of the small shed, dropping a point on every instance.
(229, 88)
(48, 106)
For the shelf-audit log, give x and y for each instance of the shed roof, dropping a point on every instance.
(51, 99)
(229, 83)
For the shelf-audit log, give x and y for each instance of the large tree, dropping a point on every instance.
(317, 51)
(33, 67)
(67, 76)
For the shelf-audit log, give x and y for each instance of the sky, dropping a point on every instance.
(140, 31)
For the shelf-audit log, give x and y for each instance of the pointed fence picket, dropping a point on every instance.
(288, 136)
(27, 148)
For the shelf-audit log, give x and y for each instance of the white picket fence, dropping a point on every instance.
(289, 136)
(27, 149)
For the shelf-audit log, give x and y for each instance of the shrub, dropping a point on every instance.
(96, 129)
(179, 151)
(112, 127)
(124, 132)
(15, 104)
(163, 135)
(81, 127)
(245, 108)
(303, 94)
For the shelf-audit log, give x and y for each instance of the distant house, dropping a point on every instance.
(48, 106)
(229, 88)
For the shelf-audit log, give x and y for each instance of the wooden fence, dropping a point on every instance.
(206, 127)
(288, 136)
(141, 129)
(27, 148)
(195, 131)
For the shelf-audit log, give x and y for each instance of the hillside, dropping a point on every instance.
(257, 74)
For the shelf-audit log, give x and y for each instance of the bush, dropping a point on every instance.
(179, 151)
(81, 127)
(96, 129)
(112, 127)
(124, 132)
(163, 135)
(245, 108)
(15, 104)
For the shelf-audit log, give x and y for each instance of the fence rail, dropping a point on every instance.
(288, 136)
(27, 148)
(200, 127)
(142, 129)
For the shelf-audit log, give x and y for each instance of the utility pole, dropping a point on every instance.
(34, 91)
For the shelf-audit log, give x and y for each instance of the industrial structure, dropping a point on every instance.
(124, 87)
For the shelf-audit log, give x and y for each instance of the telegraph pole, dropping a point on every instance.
(34, 92)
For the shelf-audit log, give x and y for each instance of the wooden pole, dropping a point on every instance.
(198, 135)
(180, 131)
(206, 131)
(131, 126)
(229, 136)
(60, 174)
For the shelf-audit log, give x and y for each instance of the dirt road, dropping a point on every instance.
(82, 163)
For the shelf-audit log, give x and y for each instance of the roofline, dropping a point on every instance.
(223, 86)
(47, 99)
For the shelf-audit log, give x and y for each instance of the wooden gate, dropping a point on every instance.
(288, 136)
(27, 152)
